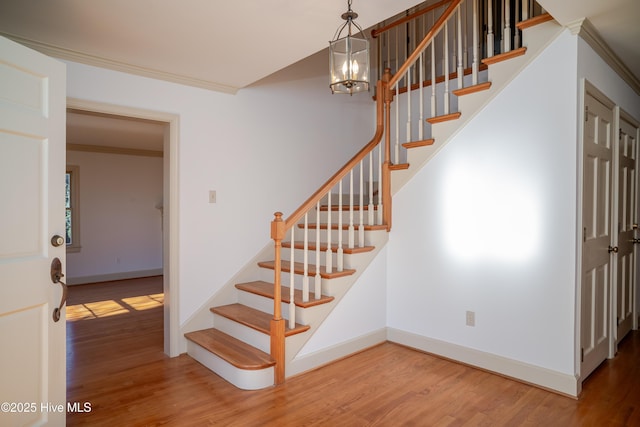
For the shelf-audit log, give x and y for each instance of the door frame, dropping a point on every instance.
(170, 246)
(623, 115)
(584, 88)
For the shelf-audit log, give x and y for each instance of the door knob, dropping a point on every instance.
(57, 240)
(613, 249)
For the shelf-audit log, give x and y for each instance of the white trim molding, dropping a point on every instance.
(335, 352)
(113, 150)
(559, 382)
(96, 61)
(113, 276)
(585, 29)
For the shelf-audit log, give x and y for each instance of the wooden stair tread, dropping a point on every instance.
(444, 118)
(255, 319)
(344, 226)
(299, 269)
(236, 352)
(265, 289)
(534, 21)
(423, 143)
(505, 56)
(472, 89)
(298, 244)
(399, 166)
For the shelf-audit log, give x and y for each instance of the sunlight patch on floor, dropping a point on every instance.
(107, 308)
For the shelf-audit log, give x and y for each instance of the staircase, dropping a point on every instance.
(261, 322)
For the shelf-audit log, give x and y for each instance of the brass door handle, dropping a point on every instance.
(613, 249)
(56, 277)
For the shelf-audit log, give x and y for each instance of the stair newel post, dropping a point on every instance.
(388, 94)
(278, 232)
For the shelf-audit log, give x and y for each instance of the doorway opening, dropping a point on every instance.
(166, 126)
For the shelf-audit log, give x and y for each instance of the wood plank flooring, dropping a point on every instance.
(116, 363)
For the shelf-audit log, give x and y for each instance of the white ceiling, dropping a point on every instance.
(616, 21)
(222, 44)
(228, 45)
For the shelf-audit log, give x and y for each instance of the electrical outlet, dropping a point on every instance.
(212, 196)
(471, 318)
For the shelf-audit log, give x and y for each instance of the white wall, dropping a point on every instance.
(360, 312)
(248, 148)
(489, 226)
(120, 227)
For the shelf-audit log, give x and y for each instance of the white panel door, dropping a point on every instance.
(627, 224)
(597, 260)
(32, 170)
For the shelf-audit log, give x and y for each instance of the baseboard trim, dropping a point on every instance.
(335, 352)
(547, 379)
(114, 276)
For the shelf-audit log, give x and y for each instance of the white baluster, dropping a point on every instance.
(292, 284)
(396, 150)
(329, 252)
(507, 26)
(446, 68)
(339, 252)
(490, 29)
(361, 207)
(380, 184)
(371, 218)
(318, 278)
(460, 71)
(433, 112)
(351, 227)
(421, 117)
(474, 65)
(525, 10)
(408, 135)
(305, 250)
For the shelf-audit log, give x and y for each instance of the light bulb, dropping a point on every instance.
(354, 67)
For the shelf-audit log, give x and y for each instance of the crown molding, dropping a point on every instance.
(113, 150)
(585, 29)
(96, 61)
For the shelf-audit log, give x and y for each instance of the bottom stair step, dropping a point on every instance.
(242, 365)
(238, 353)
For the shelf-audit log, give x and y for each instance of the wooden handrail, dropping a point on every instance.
(375, 32)
(423, 44)
(377, 137)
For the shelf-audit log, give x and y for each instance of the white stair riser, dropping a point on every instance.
(244, 379)
(266, 304)
(350, 260)
(244, 333)
(299, 236)
(326, 284)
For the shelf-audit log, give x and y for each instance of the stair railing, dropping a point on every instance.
(368, 162)
(363, 184)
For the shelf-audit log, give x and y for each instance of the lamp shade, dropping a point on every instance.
(349, 65)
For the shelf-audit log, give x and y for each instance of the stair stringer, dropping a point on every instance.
(317, 315)
(536, 39)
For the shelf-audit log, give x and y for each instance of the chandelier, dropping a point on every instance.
(349, 58)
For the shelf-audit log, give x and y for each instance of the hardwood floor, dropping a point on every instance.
(116, 363)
